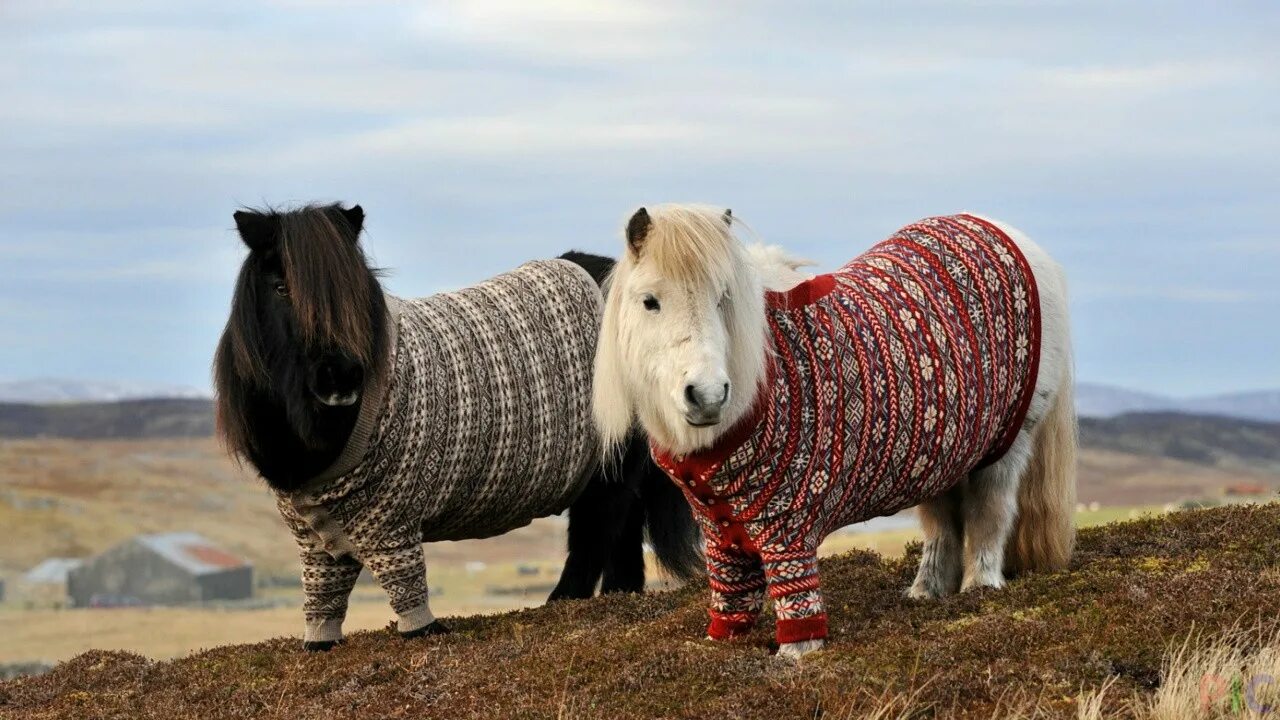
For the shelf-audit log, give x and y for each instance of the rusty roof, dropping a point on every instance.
(191, 551)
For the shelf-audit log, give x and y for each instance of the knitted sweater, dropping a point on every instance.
(482, 424)
(892, 378)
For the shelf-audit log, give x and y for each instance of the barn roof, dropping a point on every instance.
(191, 551)
(52, 571)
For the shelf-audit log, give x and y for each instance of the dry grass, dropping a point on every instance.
(1040, 648)
(1230, 676)
(1234, 675)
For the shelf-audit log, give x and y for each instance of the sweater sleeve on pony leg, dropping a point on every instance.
(327, 583)
(402, 573)
(794, 587)
(737, 591)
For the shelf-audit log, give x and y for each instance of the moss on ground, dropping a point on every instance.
(1133, 589)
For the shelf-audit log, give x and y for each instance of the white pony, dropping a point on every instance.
(933, 370)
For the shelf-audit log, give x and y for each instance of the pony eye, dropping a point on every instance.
(282, 290)
(651, 303)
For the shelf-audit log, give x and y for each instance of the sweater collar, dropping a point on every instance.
(707, 460)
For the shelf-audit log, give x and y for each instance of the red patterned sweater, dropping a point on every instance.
(892, 379)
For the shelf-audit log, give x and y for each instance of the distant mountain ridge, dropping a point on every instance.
(125, 419)
(44, 391)
(1203, 439)
(1095, 400)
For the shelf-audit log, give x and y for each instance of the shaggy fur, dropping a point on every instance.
(712, 321)
(308, 322)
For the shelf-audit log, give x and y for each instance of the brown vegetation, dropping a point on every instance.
(1135, 590)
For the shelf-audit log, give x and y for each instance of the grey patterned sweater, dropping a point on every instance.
(482, 425)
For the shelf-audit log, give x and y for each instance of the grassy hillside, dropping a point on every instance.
(1210, 440)
(79, 497)
(1135, 590)
(158, 418)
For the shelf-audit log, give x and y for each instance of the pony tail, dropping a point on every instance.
(611, 402)
(1045, 533)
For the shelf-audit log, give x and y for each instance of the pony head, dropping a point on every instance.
(306, 326)
(683, 344)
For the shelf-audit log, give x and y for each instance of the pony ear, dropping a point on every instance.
(638, 230)
(256, 229)
(355, 218)
(728, 217)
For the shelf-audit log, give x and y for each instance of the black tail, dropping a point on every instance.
(669, 525)
(624, 502)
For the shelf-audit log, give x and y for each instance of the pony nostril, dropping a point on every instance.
(691, 394)
(724, 395)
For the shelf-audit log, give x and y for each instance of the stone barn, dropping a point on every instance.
(165, 569)
(46, 583)
(53, 571)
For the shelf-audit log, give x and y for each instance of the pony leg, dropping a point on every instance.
(402, 573)
(942, 561)
(737, 591)
(326, 585)
(624, 572)
(595, 521)
(990, 509)
(794, 587)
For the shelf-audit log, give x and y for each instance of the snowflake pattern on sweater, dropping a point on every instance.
(476, 431)
(891, 379)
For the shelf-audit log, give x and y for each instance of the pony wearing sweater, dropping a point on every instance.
(933, 370)
(381, 423)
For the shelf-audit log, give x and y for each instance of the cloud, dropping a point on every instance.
(1175, 294)
(564, 30)
(1138, 146)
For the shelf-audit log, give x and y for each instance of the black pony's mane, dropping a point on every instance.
(335, 302)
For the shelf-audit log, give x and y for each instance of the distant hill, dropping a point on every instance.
(1092, 399)
(1210, 440)
(41, 391)
(133, 419)
(1104, 401)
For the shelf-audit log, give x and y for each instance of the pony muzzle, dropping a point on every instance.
(337, 380)
(705, 402)
(340, 400)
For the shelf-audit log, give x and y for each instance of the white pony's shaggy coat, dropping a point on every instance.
(1014, 514)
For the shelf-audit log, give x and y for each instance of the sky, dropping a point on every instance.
(1137, 141)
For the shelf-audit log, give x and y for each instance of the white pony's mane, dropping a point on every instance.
(694, 246)
(779, 270)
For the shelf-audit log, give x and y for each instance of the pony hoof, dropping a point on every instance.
(435, 628)
(926, 591)
(320, 645)
(797, 650)
(975, 583)
(920, 593)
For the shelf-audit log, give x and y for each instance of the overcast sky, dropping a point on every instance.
(1138, 141)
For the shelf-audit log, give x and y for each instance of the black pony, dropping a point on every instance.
(307, 332)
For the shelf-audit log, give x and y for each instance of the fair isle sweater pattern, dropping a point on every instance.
(891, 379)
(482, 425)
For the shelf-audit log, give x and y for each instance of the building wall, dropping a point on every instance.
(132, 570)
(232, 584)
